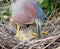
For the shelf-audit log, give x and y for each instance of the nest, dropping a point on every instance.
(48, 41)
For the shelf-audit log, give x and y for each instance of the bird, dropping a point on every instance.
(25, 12)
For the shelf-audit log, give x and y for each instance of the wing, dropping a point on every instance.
(39, 11)
(40, 17)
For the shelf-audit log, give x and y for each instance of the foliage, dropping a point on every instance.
(4, 10)
(49, 5)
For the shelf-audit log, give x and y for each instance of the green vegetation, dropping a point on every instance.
(47, 5)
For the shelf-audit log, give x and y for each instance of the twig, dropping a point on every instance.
(52, 41)
(35, 41)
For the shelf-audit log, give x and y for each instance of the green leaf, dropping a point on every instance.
(50, 7)
(7, 14)
(4, 1)
(40, 1)
(6, 7)
(45, 4)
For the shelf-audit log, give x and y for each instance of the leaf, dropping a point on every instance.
(6, 13)
(6, 7)
(4, 1)
(45, 4)
(40, 1)
(50, 7)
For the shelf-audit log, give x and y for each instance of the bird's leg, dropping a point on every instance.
(17, 31)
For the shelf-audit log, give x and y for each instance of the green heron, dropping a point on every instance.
(27, 12)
